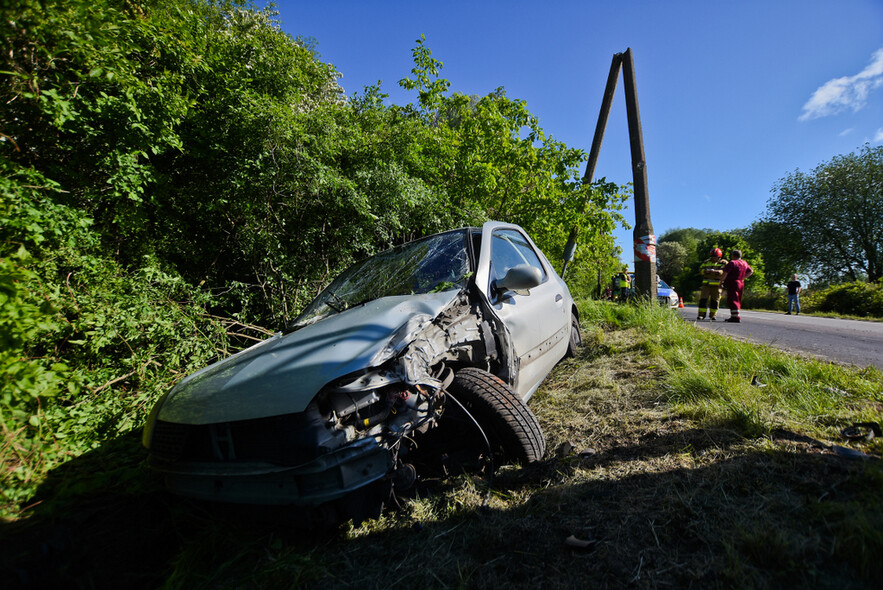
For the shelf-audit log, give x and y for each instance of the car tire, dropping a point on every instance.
(512, 429)
(576, 337)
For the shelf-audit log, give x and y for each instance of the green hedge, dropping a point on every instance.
(859, 299)
(853, 299)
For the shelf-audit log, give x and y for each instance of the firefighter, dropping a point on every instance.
(712, 271)
(735, 273)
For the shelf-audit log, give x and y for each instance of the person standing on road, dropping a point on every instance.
(735, 273)
(712, 271)
(794, 294)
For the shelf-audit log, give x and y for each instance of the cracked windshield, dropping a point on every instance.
(431, 265)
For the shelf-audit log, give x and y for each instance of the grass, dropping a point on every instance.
(663, 457)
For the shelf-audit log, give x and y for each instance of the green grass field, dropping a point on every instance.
(666, 467)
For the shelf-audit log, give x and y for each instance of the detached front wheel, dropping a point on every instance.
(510, 426)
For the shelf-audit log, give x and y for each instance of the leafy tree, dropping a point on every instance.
(688, 237)
(670, 260)
(782, 250)
(833, 215)
(495, 162)
(690, 279)
(426, 82)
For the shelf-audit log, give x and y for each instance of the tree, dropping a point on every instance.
(690, 278)
(688, 237)
(670, 260)
(782, 250)
(834, 214)
(494, 161)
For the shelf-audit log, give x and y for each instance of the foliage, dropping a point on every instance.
(497, 159)
(688, 237)
(832, 213)
(690, 280)
(176, 174)
(775, 300)
(87, 345)
(782, 249)
(854, 299)
(193, 106)
(26, 381)
(674, 267)
(670, 260)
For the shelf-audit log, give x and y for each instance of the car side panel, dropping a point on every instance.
(538, 323)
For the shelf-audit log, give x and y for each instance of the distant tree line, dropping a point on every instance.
(825, 226)
(828, 223)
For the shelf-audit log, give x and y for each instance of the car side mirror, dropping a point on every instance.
(520, 278)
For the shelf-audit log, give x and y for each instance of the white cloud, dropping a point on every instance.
(849, 92)
(846, 132)
(878, 137)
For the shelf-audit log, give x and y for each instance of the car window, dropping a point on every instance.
(661, 284)
(508, 249)
(436, 263)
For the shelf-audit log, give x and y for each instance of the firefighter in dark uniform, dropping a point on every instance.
(712, 271)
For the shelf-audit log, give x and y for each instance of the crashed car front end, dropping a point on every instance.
(307, 417)
(344, 440)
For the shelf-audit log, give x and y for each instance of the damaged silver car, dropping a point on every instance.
(465, 323)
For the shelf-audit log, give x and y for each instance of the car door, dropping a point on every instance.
(537, 321)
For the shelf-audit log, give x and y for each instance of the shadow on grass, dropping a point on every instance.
(104, 520)
(712, 514)
(762, 518)
(97, 520)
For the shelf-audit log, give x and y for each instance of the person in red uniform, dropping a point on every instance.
(735, 273)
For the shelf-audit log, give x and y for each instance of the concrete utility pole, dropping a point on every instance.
(645, 241)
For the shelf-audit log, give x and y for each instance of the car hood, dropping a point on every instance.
(282, 374)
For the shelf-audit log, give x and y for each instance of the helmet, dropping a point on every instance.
(716, 252)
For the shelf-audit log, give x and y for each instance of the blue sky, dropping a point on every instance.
(733, 95)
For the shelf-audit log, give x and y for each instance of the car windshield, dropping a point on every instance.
(660, 284)
(433, 264)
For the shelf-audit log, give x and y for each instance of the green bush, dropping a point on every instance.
(86, 355)
(850, 299)
(858, 299)
(86, 344)
(764, 300)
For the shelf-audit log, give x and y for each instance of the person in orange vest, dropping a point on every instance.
(712, 271)
(735, 273)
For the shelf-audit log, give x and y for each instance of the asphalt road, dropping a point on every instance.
(851, 342)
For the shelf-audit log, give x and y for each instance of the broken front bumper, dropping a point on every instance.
(323, 479)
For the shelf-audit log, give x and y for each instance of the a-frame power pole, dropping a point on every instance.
(644, 240)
